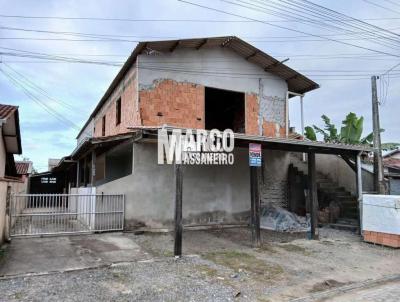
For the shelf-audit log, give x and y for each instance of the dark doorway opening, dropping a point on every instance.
(224, 109)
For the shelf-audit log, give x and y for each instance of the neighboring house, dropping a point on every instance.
(391, 163)
(49, 182)
(10, 144)
(201, 83)
(53, 162)
(24, 170)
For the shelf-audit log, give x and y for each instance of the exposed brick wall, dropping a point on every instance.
(173, 103)
(391, 240)
(251, 112)
(127, 91)
(271, 129)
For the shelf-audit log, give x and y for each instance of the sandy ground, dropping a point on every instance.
(219, 265)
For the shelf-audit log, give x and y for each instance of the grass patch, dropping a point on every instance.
(295, 249)
(239, 261)
(206, 270)
(18, 296)
(120, 276)
(266, 248)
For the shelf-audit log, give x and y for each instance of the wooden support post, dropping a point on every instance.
(78, 173)
(312, 193)
(93, 169)
(359, 191)
(84, 171)
(178, 210)
(255, 206)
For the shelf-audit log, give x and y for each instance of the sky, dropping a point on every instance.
(59, 96)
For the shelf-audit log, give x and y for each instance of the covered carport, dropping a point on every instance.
(311, 148)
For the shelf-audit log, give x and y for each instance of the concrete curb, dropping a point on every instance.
(348, 288)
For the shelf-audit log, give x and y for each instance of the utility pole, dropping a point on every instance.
(378, 167)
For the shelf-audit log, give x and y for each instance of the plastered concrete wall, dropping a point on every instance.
(128, 92)
(224, 69)
(210, 193)
(338, 171)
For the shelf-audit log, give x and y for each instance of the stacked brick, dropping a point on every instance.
(129, 110)
(391, 240)
(251, 110)
(174, 104)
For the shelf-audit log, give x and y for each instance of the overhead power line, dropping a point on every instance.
(290, 29)
(43, 92)
(381, 6)
(316, 12)
(111, 36)
(167, 20)
(21, 85)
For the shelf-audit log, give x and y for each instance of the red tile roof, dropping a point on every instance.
(23, 167)
(392, 162)
(6, 110)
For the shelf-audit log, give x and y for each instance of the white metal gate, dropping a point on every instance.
(51, 214)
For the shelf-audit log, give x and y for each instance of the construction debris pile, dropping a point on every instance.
(278, 219)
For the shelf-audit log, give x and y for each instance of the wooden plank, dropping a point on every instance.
(312, 192)
(178, 210)
(255, 206)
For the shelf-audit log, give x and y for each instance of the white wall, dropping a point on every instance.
(381, 213)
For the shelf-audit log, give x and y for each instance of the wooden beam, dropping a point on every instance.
(174, 46)
(273, 65)
(359, 190)
(252, 55)
(348, 161)
(255, 206)
(178, 210)
(227, 41)
(202, 44)
(312, 193)
(143, 47)
(292, 77)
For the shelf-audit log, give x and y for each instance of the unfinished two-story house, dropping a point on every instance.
(206, 83)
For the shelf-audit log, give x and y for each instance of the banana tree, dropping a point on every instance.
(350, 132)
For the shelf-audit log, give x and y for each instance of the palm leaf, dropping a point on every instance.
(310, 133)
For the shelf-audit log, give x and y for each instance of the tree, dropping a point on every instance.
(350, 132)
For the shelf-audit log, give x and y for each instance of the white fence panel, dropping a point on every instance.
(84, 211)
(381, 213)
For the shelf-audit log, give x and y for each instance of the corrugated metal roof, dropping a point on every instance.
(317, 145)
(296, 81)
(6, 110)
